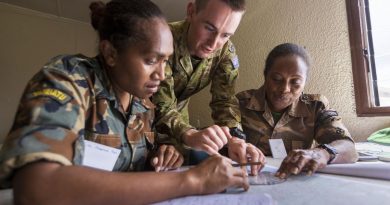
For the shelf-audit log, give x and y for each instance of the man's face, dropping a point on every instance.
(211, 27)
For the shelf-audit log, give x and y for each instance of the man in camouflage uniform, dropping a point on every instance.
(188, 75)
(69, 101)
(203, 54)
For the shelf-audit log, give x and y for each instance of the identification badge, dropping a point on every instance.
(277, 148)
(100, 156)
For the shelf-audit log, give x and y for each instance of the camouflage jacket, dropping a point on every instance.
(183, 81)
(307, 120)
(71, 100)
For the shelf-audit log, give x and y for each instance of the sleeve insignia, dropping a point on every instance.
(235, 62)
(55, 94)
(231, 48)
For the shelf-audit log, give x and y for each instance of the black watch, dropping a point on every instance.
(331, 150)
(236, 132)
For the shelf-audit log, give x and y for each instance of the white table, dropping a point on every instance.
(319, 189)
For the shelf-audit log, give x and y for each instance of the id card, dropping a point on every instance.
(100, 156)
(277, 148)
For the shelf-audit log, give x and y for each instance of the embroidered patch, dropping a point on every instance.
(55, 94)
(235, 62)
(231, 48)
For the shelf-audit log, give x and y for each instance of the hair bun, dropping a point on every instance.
(97, 13)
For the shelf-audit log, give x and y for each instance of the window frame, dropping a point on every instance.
(360, 61)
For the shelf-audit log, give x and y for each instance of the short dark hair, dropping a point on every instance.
(120, 21)
(283, 50)
(235, 5)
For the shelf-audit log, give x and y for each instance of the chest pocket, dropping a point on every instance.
(140, 139)
(199, 79)
(108, 140)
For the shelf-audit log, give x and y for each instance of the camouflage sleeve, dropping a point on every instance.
(169, 121)
(46, 125)
(224, 104)
(328, 124)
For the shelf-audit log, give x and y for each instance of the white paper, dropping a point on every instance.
(225, 199)
(277, 148)
(100, 156)
(378, 170)
(371, 148)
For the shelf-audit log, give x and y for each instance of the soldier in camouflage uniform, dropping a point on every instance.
(203, 54)
(279, 110)
(75, 99)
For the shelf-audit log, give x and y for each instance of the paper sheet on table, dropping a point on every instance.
(378, 170)
(371, 148)
(226, 199)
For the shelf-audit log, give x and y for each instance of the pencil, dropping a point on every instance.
(247, 164)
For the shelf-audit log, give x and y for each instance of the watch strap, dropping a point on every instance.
(331, 150)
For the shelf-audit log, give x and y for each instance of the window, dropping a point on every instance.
(369, 31)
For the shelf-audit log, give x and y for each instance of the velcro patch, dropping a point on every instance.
(232, 49)
(235, 62)
(55, 94)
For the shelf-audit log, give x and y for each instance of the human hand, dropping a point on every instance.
(303, 160)
(243, 152)
(216, 174)
(209, 140)
(167, 157)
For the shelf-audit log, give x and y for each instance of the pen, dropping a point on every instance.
(234, 165)
(247, 164)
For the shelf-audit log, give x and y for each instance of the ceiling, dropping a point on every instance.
(174, 10)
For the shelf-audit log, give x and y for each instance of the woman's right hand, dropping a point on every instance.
(216, 174)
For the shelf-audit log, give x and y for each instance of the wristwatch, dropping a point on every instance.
(331, 150)
(236, 132)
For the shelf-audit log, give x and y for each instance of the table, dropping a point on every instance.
(319, 189)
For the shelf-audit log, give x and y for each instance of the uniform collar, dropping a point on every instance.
(257, 102)
(141, 105)
(299, 108)
(103, 86)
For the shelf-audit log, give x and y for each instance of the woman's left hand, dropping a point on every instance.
(303, 160)
(167, 157)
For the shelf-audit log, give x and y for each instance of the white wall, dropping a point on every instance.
(28, 40)
(321, 26)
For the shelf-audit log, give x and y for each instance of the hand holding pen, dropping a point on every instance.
(243, 152)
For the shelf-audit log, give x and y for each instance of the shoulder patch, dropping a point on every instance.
(55, 94)
(232, 49)
(235, 62)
